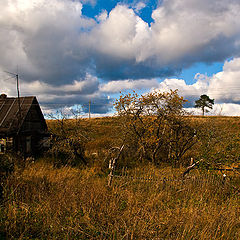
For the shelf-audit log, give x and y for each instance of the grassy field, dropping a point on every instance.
(42, 201)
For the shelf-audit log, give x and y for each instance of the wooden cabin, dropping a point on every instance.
(23, 128)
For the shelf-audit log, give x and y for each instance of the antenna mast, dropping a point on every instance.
(18, 93)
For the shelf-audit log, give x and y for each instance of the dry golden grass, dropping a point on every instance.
(219, 139)
(42, 202)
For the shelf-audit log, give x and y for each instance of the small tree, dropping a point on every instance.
(155, 126)
(204, 102)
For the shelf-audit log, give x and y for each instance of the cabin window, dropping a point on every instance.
(9, 143)
(2, 145)
(28, 144)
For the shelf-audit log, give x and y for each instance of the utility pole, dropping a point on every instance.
(89, 108)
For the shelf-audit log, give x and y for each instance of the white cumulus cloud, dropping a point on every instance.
(223, 87)
(56, 48)
(121, 85)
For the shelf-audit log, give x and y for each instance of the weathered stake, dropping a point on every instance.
(112, 165)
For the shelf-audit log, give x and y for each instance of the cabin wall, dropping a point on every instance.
(27, 140)
(25, 144)
(33, 122)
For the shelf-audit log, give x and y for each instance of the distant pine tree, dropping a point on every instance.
(204, 102)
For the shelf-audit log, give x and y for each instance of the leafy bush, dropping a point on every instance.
(155, 126)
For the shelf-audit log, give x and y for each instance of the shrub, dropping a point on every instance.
(155, 126)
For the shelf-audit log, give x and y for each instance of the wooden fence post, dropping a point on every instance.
(112, 165)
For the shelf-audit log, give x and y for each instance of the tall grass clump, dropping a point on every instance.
(43, 202)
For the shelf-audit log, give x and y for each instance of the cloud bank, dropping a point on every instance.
(223, 87)
(66, 58)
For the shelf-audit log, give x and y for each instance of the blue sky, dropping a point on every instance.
(69, 52)
(208, 69)
(94, 9)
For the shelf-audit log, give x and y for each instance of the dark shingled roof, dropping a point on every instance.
(10, 120)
